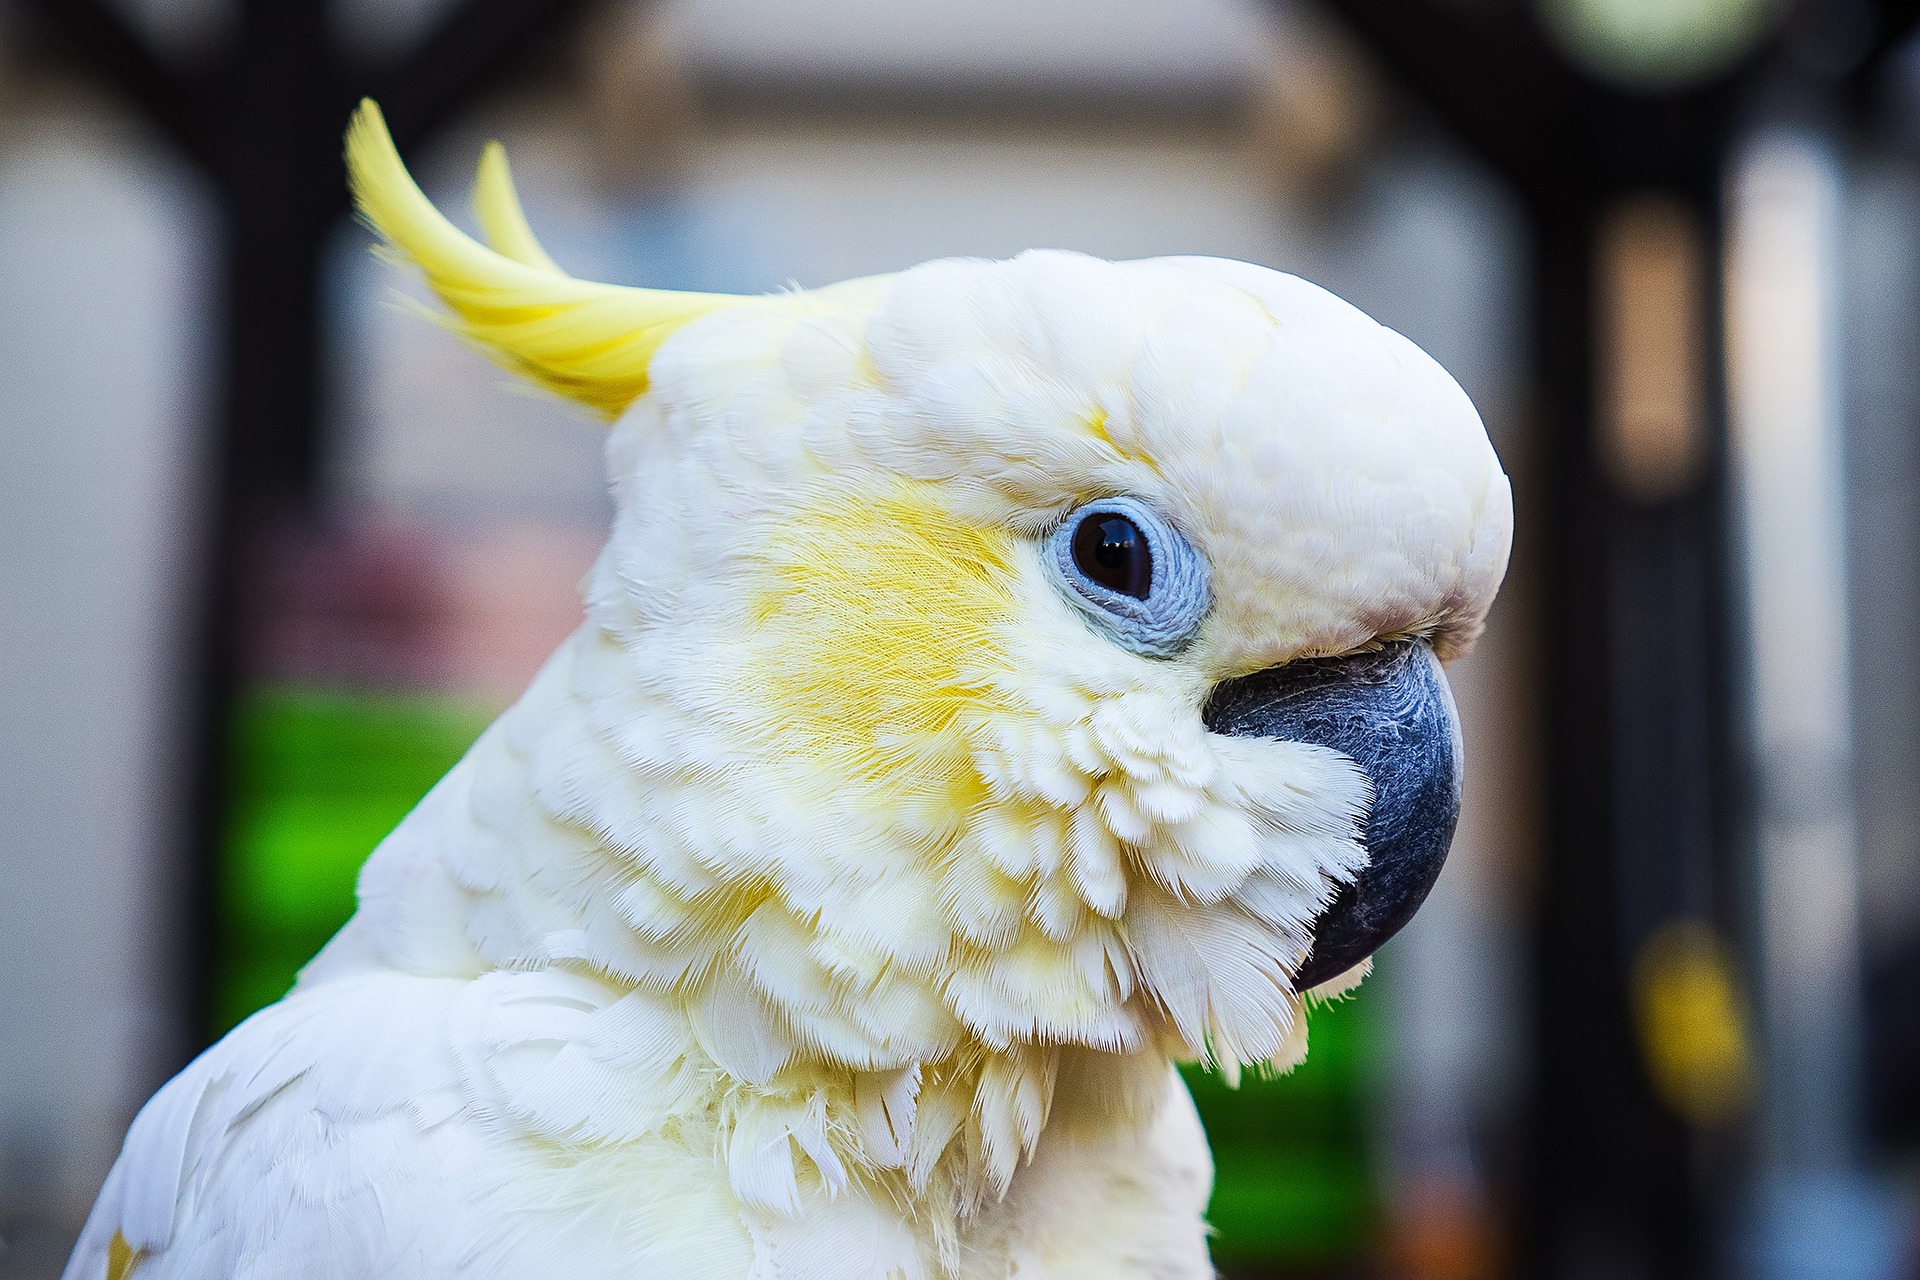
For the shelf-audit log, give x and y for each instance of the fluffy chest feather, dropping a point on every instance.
(539, 1124)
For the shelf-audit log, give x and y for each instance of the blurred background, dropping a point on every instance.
(273, 550)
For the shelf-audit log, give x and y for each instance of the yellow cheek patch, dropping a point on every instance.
(878, 618)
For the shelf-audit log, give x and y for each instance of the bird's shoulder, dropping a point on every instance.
(382, 1124)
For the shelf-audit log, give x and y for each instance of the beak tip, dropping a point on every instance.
(1390, 712)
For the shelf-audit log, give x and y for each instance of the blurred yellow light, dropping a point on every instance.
(1693, 1027)
(1658, 44)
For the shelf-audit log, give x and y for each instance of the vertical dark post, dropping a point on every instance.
(1622, 1177)
(271, 96)
(264, 118)
(1581, 1038)
(1631, 814)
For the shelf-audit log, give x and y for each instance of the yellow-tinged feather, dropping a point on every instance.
(874, 628)
(502, 221)
(122, 1258)
(589, 342)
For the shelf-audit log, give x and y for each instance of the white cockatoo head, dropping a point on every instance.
(994, 659)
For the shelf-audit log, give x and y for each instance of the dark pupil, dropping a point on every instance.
(1112, 551)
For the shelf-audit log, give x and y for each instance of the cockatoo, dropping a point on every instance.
(1003, 681)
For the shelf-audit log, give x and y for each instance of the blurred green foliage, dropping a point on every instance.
(1293, 1182)
(321, 776)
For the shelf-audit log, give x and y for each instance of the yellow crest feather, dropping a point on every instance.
(589, 342)
(497, 205)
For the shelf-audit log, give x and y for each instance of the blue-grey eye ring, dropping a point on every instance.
(1132, 574)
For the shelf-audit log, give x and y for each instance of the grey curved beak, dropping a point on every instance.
(1391, 712)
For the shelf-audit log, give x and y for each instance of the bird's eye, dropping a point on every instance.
(1110, 549)
(1132, 574)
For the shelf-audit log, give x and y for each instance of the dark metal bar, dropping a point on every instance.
(474, 47)
(1632, 805)
(101, 38)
